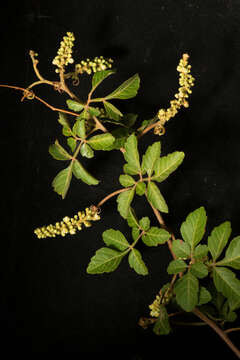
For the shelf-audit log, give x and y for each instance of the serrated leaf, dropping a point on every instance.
(199, 270)
(144, 223)
(74, 105)
(155, 197)
(186, 289)
(232, 256)
(115, 239)
(62, 181)
(150, 157)
(71, 143)
(136, 262)
(126, 90)
(101, 142)
(58, 152)
(79, 128)
(181, 249)
(162, 326)
(86, 151)
(227, 283)
(126, 180)
(176, 266)
(140, 188)
(105, 260)
(200, 251)
(165, 165)
(155, 236)
(124, 201)
(63, 120)
(99, 76)
(204, 296)
(132, 218)
(219, 238)
(112, 111)
(193, 228)
(131, 154)
(83, 174)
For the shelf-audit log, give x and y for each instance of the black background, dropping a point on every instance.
(49, 305)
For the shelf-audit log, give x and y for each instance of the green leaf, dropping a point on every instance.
(58, 152)
(140, 188)
(79, 128)
(156, 198)
(186, 289)
(93, 111)
(126, 180)
(116, 239)
(112, 111)
(74, 105)
(199, 270)
(181, 249)
(86, 151)
(83, 174)
(124, 201)
(131, 155)
(135, 233)
(232, 256)
(101, 142)
(71, 143)
(105, 260)
(155, 236)
(218, 239)
(150, 157)
(162, 326)
(120, 135)
(62, 181)
(62, 119)
(227, 283)
(165, 165)
(193, 228)
(204, 296)
(132, 218)
(99, 76)
(145, 223)
(126, 90)
(66, 131)
(200, 251)
(176, 266)
(136, 262)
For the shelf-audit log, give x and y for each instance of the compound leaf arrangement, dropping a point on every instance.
(203, 279)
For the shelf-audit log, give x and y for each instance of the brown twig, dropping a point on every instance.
(111, 195)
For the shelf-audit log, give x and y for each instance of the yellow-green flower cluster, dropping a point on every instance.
(155, 307)
(91, 66)
(186, 81)
(64, 54)
(69, 225)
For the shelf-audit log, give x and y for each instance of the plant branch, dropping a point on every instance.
(26, 93)
(219, 331)
(111, 195)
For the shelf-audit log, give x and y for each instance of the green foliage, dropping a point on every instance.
(140, 188)
(166, 165)
(74, 105)
(131, 155)
(227, 283)
(62, 181)
(58, 152)
(176, 266)
(126, 90)
(83, 174)
(126, 180)
(124, 201)
(86, 151)
(218, 239)
(162, 325)
(116, 239)
(101, 142)
(105, 260)
(136, 262)
(150, 157)
(155, 236)
(112, 111)
(186, 289)
(99, 76)
(181, 249)
(155, 197)
(193, 228)
(232, 256)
